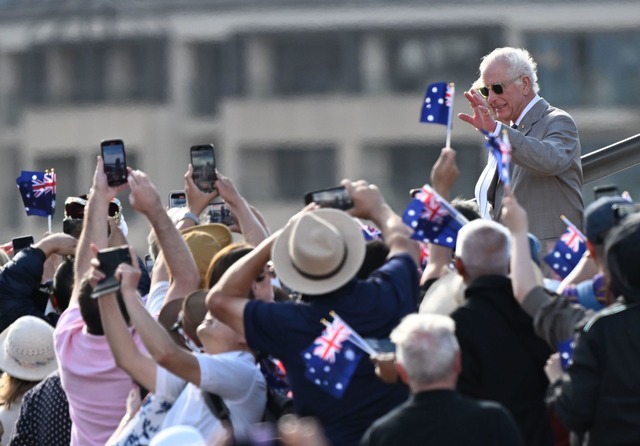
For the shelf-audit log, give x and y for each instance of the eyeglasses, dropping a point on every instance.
(497, 88)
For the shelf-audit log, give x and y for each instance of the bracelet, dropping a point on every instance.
(191, 216)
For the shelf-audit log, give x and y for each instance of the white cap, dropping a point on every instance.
(178, 435)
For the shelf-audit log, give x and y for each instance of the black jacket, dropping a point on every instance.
(600, 392)
(502, 358)
(20, 293)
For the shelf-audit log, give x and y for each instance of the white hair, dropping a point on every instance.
(426, 347)
(518, 60)
(483, 247)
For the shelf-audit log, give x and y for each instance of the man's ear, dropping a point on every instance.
(457, 263)
(592, 249)
(402, 373)
(457, 363)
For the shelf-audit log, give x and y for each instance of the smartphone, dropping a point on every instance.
(115, 162)
(204, 167)
(621, 210)
(19, 243)
(110, 259)
(334, 197)
(382, 345)
(220, 213)
(177, 199)
(606, 190)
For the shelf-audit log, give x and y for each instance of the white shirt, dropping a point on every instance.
(234, 376)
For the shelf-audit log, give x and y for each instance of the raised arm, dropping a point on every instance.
(443, 176)
(164, 351)
(371, 205)
(252, 229)
(228, 297)
(140, 367)
(94, 229)
(182, 267)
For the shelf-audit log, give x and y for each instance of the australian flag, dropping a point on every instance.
(38, 191)
(432, 219)
(436, 105)
(567, 252)
(500, 147)
(369, 232)
(332, 358)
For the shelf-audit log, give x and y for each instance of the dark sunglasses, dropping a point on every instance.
(496, 88)
(74, 207)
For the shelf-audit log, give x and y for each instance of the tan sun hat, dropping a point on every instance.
(319, 252)
(26, 349)
(204, 242)
(186, 314)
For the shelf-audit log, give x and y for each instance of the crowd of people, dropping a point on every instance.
(226, 339)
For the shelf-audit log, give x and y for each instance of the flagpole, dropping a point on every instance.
(453, 211)
(568, 223)
(49, 222)
(452, 87)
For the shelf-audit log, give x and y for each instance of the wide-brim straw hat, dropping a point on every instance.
(204, 241)
(189, 312)
(26, 349)
(319, 252)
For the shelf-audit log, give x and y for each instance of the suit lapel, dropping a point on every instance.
(534, 115)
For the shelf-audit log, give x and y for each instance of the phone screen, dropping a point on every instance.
(335, 197)
(177, 199)
(19, 243)
(220, 213)
(115, 163)
(204, 167)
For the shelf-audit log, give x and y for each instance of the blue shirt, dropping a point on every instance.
(372, 307)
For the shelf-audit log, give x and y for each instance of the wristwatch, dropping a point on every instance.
(190, 216)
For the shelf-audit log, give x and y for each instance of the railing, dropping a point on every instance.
(611, 159)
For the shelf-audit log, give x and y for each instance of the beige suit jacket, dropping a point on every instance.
(546, 171)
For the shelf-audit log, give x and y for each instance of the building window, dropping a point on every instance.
(419, 58)
(315, 63)
(286, 173)
(594, 69)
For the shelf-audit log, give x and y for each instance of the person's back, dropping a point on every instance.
(428, 360)
(600, 393)
(502, 358)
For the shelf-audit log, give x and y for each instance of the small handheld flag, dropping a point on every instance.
(500, 147)
(332, 358)
(437, 107)
(433, 219)
(567, 251)
(38, 191)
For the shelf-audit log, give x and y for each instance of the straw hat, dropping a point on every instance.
(26, 349)
(319, 252)
(188, 311)
(180, 434)
(204, 242)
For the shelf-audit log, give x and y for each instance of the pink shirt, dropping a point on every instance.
(96, 388)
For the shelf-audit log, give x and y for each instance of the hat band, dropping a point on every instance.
(328, 275)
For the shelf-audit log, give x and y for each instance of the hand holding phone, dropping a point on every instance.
(115, 162)
(110, 259)
(334, 197)
(204, 167)
(19, 243)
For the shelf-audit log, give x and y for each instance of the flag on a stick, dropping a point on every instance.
(38, 191)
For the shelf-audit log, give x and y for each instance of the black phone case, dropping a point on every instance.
(109, 260)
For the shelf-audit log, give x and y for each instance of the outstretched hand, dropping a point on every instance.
(144, 196)
(444, 172)
(100, 184)
(482, 118)
(197, 200)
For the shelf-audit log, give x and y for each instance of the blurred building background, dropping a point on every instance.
(294, 94)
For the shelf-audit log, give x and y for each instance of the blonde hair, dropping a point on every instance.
(12, 388)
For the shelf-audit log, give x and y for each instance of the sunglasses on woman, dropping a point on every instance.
(497, 88)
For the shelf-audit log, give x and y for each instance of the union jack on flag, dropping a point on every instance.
(432, 218)
(437, 103)
(500, 148)
(38, 191)
(331, 360)
(567, 251)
